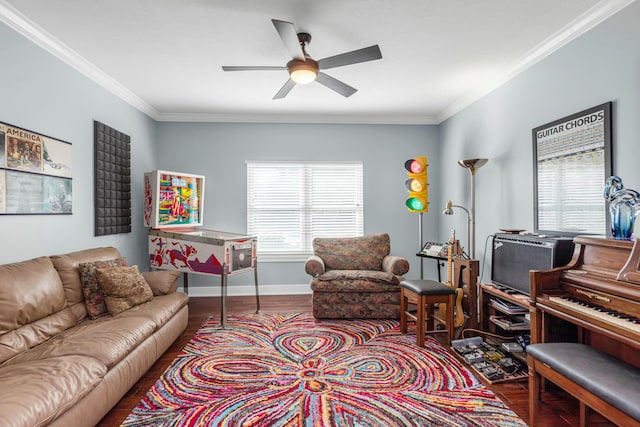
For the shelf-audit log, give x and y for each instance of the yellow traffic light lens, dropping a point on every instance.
(416, 185)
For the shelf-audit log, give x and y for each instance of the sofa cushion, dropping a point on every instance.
(353, 253)
(35, 393)
(107, 339)
(123, 287)
(67, 266)
(33, 306)
(160, 309)
(162, 282)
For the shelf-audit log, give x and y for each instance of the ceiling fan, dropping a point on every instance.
(303, 69)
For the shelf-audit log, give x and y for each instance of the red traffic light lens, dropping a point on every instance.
(414, 166)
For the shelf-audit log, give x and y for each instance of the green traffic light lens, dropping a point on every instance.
(414, 204)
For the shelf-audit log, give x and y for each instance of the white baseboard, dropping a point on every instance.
(233, 291)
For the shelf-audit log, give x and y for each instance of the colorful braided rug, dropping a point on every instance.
(293, 370)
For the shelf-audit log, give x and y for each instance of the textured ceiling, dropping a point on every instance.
(165, 56)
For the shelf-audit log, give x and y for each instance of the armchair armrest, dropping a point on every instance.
(395, 265)
(314, 266)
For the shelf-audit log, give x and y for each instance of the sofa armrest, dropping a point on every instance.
(314, 266)
(162, 282)
(395, 265)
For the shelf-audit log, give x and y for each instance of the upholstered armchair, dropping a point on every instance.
(355, 278)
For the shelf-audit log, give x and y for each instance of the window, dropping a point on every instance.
(291, 203)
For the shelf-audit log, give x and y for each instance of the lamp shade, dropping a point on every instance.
(303, 72)
(472, 164)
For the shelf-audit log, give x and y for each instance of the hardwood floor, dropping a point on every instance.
(557, 410)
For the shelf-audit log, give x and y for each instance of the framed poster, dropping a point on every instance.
(571, 162)
(35, 173)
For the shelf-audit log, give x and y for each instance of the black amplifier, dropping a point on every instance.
(513, 255)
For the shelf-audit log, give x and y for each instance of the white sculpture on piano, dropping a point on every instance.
(624, 205)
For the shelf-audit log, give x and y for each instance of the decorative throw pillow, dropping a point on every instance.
(93, 296)
(123, 287)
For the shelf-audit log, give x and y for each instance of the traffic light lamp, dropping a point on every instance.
(418, 200)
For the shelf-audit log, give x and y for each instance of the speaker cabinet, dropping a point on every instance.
(513, 255)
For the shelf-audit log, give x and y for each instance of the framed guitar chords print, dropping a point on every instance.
(571, 161)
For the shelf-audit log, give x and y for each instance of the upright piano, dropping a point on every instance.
(594, 300)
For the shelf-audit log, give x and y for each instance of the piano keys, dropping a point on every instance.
(597, 292)
(598, 312)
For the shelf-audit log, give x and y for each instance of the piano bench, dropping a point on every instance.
(599, 381)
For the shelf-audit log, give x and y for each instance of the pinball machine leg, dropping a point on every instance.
(185, 282)
(223, 297)
(255, 280)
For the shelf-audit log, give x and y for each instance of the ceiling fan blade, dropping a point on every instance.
(284, 90)
(287, 32)
(336, 85)
(361, 55)
(250, 68)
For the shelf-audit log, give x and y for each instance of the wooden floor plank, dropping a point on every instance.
(557, 409)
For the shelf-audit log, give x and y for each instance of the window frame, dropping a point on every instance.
(306, 208)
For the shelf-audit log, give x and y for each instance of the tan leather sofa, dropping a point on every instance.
(57, 366)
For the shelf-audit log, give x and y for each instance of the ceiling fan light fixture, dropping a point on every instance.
(303, 72)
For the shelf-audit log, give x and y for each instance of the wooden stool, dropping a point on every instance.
(426, 293)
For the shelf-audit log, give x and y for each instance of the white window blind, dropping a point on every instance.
(291, 203)
(580, 206)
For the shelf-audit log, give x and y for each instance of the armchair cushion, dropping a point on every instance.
(343, 278)
(353, 253)
(335, 281)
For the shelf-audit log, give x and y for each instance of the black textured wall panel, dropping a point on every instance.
(112, 169)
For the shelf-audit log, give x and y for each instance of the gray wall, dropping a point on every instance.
(42, 94)
(601, 65)
(219, 152)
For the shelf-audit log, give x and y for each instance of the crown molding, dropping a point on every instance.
(29, 29)
(583, 23)
(387, 119)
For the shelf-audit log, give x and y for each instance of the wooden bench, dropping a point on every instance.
(599, 381)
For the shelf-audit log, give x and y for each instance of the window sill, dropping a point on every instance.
(283, 257)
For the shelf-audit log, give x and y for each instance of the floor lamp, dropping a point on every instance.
(448, 210)
(473, 165)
